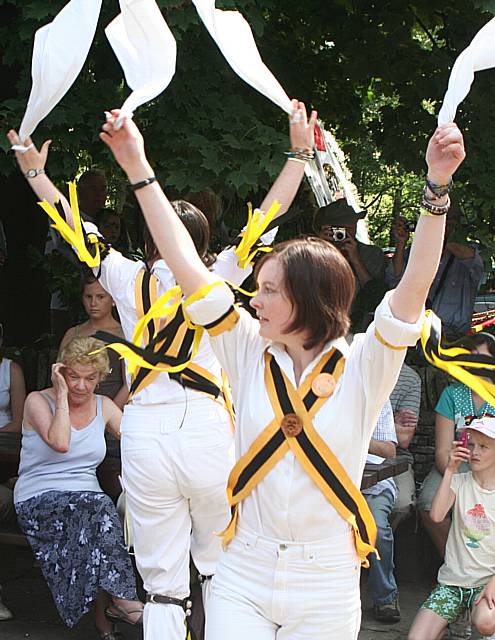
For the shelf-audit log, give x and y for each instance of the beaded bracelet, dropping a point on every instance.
(434, 209)
(300, 154)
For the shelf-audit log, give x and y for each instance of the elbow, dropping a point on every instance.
(436, 516)
(59, 446)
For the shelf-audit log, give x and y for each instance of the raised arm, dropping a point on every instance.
(32, 165)
(302, 139)
(445, 497)
(171, 237)
(444, 155)
(55, 428)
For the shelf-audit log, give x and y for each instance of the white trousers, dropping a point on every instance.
(266, 589)
(175, 464)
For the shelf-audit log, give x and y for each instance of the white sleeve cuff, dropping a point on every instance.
(393, 331)
(212, 307)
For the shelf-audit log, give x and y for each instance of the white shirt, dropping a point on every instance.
(118, 277)
(286, 504)
(385, 432)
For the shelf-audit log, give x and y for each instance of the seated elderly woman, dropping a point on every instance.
(71, 525)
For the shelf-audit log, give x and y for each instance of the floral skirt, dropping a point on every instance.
(77, 538)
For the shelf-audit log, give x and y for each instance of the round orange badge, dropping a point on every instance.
(291, 425)
(323, 385)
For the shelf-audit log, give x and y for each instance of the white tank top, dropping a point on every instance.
(5, 410)
(42, 469)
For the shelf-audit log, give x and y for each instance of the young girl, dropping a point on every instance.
(303, 420)
(98, 305)
(467, 578)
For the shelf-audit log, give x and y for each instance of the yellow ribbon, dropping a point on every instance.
(74, 237)
(441, 357)
(256, 225)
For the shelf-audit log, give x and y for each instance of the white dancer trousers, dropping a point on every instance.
(175, 464)
(266, 589)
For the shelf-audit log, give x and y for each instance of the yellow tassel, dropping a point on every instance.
(228, 534)
(256, 225)
(75, 236)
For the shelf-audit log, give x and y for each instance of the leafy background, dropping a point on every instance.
(376, 72)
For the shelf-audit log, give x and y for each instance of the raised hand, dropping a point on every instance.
(32, 158)
(457, 456)
(58, 380)
(126, 143)
(445, 153)
(400, 231)
(302, 130)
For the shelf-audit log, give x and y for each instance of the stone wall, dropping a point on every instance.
(433, 382)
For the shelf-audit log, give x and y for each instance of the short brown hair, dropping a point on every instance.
(320, 284)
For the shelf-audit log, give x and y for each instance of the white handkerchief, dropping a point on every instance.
(478, 56)
(146, 49)
(234, 37)
(59, 53)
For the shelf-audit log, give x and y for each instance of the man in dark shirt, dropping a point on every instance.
(337, 223)
(453, 292)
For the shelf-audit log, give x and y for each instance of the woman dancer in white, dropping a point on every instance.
(176, 441)
(304, 420)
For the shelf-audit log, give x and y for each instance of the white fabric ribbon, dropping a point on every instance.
(59, 53)
(479, 55)
(146, 49)
(235, 40)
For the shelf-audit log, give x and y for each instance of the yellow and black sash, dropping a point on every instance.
(169, 347)
(292, 429)
(475, 370)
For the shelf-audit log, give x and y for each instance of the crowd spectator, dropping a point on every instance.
(12, 393)
(466, 580)
(381, 499)
(92, 194)
(453, 292)
(71, 525)
(457, 407)
(99, 307)
(405, 400)
(337, 223)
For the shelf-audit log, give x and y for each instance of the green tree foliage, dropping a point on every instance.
(376, 71)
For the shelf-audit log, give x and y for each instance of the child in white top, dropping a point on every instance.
(467, 578)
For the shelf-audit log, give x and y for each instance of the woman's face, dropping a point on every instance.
(273, 307)
(81, 380)
(97, 302)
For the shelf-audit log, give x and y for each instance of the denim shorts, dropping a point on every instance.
(451, 602)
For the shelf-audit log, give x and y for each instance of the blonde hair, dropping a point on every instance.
(80, 350)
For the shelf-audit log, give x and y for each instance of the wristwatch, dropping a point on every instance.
(32, 173)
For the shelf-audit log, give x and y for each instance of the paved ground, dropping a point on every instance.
(25, 592)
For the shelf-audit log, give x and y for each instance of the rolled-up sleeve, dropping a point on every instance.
(376, 357)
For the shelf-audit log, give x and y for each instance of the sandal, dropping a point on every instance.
(115, 613)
